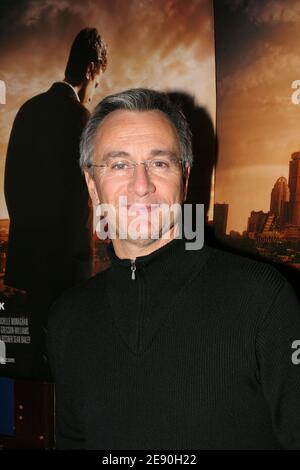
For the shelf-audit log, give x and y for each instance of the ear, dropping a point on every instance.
(90, 70)
(91, 187)
(186, 181)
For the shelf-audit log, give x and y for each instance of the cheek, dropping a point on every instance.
(110, 192)
(173, 190)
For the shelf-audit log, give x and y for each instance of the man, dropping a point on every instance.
(168, 348)
(49, 247)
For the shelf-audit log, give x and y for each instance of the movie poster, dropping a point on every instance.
(162, 44)
(257, 193)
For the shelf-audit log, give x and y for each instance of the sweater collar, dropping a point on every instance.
(172, 259)
(175, 247)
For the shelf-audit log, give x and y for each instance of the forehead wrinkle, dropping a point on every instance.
(134, 132)
(114, 154)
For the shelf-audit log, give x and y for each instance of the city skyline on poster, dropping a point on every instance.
(258, 63)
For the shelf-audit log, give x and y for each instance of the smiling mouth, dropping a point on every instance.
(142, 207)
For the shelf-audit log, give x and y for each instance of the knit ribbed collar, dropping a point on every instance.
(162, 254)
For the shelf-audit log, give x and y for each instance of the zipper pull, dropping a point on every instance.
(133, 269)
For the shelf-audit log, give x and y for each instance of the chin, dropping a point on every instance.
(142, 242)
(144, 231)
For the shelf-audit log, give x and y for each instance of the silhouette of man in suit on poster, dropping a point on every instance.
(49, 246)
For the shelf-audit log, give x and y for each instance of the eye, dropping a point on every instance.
(160, 164)
(117, 166)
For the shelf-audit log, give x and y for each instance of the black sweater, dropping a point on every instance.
(195, 353)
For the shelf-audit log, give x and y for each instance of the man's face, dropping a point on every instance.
(137, 137)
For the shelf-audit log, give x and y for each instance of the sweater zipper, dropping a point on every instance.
(133, 269)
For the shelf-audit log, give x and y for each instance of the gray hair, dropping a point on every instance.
(136, 99)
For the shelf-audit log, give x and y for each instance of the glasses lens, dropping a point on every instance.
(163, 165)
(156, 166)
(120, 168)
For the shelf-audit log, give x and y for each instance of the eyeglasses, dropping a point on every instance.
(155, 167)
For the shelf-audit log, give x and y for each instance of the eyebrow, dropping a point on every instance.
(115, 154)
(153, 153)
(161, 153)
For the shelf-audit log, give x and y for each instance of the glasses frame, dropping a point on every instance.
(133, 165)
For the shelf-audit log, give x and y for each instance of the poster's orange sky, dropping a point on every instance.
(163, 44)
(258, 59)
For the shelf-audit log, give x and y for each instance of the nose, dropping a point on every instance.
(141, 183)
